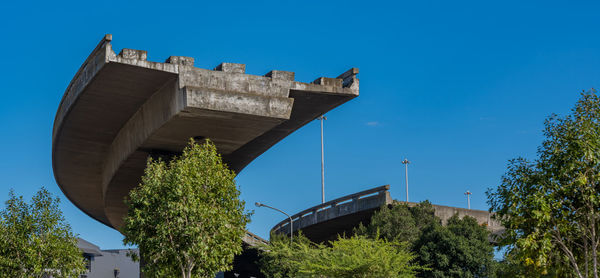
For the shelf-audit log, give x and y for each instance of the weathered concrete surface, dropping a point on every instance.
(118, 109)
(483, 217)
(252, 240)
(326, 221)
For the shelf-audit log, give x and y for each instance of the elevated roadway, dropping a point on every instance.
(324, 222)
(121, 108)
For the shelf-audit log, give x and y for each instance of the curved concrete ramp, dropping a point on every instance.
(120, 108)
(326, 221)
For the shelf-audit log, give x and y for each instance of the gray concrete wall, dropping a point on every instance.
(104, 266)
(483, 217)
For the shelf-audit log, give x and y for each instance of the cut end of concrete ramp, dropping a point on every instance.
(120, 108)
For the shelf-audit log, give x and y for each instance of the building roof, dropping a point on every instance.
(88, 248)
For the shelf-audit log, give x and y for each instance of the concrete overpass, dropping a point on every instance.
(325, 221)
(121, 108)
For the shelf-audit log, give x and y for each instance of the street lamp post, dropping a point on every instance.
(291, 222)
(322, 118)
(406, 162)
(468, 193)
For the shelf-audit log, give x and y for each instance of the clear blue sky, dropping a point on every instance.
(457, 87)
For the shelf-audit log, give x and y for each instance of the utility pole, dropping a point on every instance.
(468, 193)
(406, 162)
(322, 118)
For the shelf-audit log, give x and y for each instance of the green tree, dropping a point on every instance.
(357, 256)
(186, 216)
(281, 259)
(35, 239)
(459, 249)
(400, 222)
(511, 267)
(551, 207)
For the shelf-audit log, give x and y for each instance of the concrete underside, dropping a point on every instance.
(119, 109)
(344, 225)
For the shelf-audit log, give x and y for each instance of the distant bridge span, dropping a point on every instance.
(325, 221)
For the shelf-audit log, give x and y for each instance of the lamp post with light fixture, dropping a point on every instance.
(406, 162)
(322, 118)
(468, 193)
(291, 222)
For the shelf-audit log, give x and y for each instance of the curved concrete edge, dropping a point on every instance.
(86, 159)
(92, 65)
(139, 127)
(95, 63)
(366, 200)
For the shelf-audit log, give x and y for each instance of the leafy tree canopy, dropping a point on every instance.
(550, 207)
(459, 249)
(400, 222)
(357, 256)
(280, 258)
(186, 216)
(35, 239)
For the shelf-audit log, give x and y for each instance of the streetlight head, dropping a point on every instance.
(258, 204)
